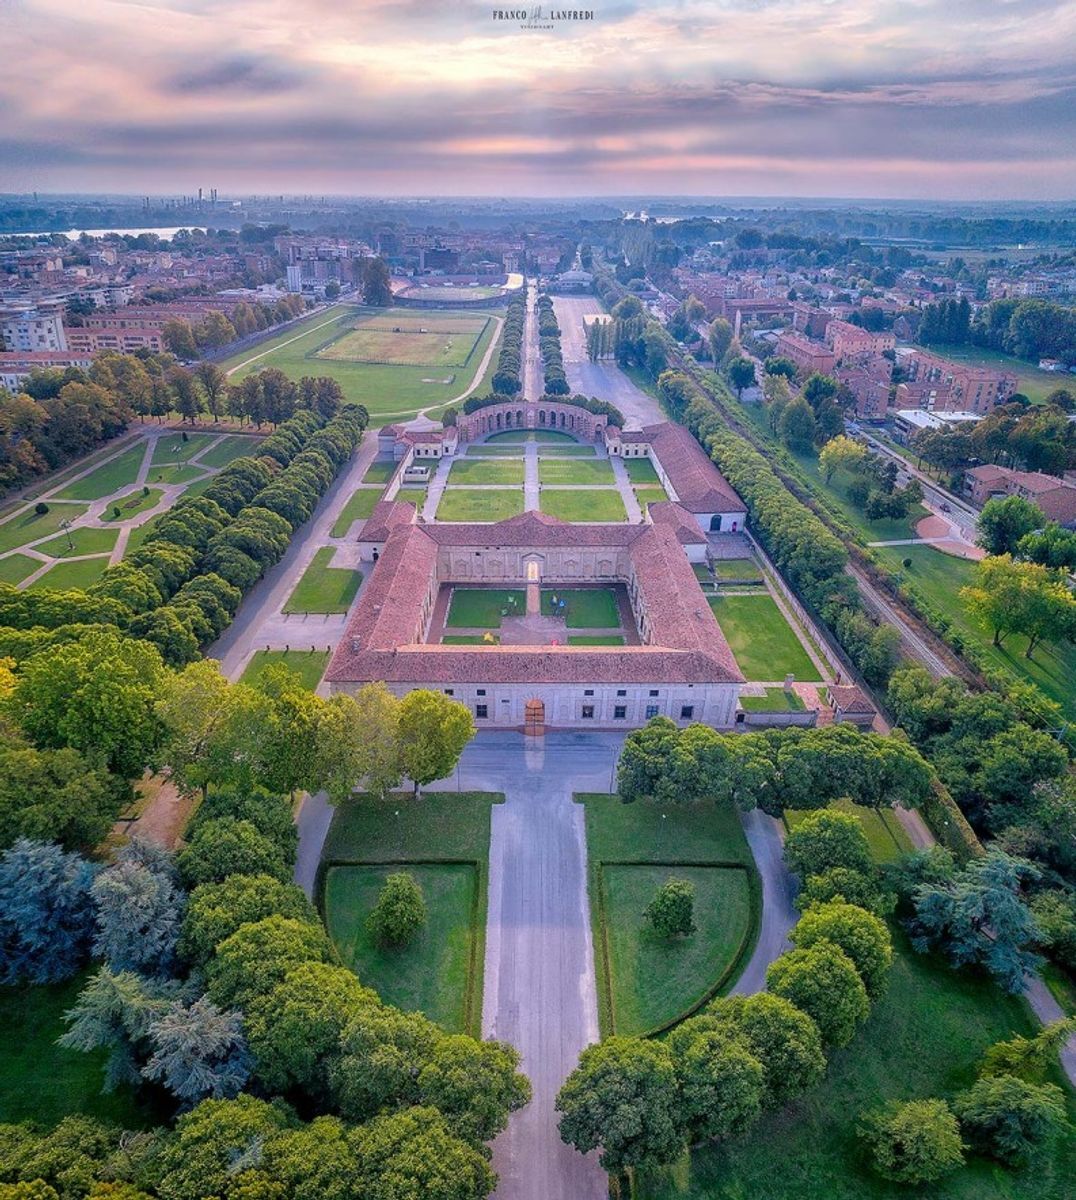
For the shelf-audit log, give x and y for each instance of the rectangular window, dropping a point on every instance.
(621, 691)
(589, 692)
(588, 712)
(651, 711)
(620, 712)
(481, 691)
(653, 691)
(450, 691)
(481, 711)
(687, 711)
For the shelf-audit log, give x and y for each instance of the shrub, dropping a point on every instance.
(916, 1142)
(671, 912)
(41, 508)
(400, 911)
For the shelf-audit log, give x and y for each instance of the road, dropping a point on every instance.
(533, 379)
(960, 514)
(778, 912)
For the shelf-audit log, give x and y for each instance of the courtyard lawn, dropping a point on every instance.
(413, 495)
(42, 1082)
(586, 608)
(323, 587)
(776, 699)
(608, 639)
(479, 504)
(645, 982)
(884, 832)
(487, 470)
(443, 838)
(470, 639)
(650, 495)
(308, 664)
(561, 451)
(641, 470)
(176, 473)
(532, 435)
(765, 645)
(482, 608)
(107, 478)
(510, 435)
(180, 447)
(232, 447)
(484, 450)
(131, 504)
(570, 470)
(380, 471)
(925, 1037)
(16, 567)
(737, 570)
(451, 344)
(73, 574)
(28, 526)
(554, 435)
(83, 540)
(359, 506)
(939, 577)
(584, 504)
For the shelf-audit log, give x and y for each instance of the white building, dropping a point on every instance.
(27, 329)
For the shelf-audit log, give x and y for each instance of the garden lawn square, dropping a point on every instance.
(381, 471)
(584, 608)
(73, 575)
(107, 478)
(584, 504)
(359, 506)
(16, 567)
(309, 665)
(641, 470)
(482, 608)
(323, 587)
(179, 447)
(485, 470)
(765, 645)
(575, 470)
(480, 504)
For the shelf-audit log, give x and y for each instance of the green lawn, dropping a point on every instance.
(381, 471)
(884, 832)
(479, 504)
(765, 645)
(470, 639)
(323, 587)
(607, 639)
(309, 664)
(176, 473)
(737, 570)
(232, 447)
(641, 470)
(73, 575)
(359, 506)
(414, 495)
(644, 982)
(28, 526)
(776, 699)
(586, 608)
(131, 504)
(83, 540)
(584, 504)
(597, 471)
(42, 1082)
(650, 495)
(561, 451)
(531, 435)
(485, 470)
(16, 567)
(107, 478)
(140, 532)
(939, 577)
(179, 447)
(484, 450)
(925, 1037)
(482, 608)
(441, 974)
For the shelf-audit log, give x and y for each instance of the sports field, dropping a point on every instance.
(448, 292)
(381, 357)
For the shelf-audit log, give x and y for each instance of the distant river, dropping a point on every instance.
(165, 233)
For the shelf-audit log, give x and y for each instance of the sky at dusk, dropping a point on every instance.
(953, 99)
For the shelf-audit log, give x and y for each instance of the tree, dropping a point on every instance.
(1021, 597)
(797, 427)
(843, 883)
(647, 761)
(824, 983)
(376, 285)
(1009, 1118)
(1052, 546)
(55, 795)
(139, 911)
(358, 742)
(216, 910)
(1029, 1058)
(860, 934)
(214, 385)
(783, 1038)
(671, 911)
(741, 374)
(227, 846)
(721, 1082)
(778, 365)
(980, 917)
(433, 731)
(827, 838)
(719, 338)
(46, 918)
(915, 1142)
(186, 396)
(475, 1085)
(199, 1052)
(400, 911)
(382, 1052)
(622, 1097)
(1003, 522)
(841, 454)
(179, 338)
(258, 956)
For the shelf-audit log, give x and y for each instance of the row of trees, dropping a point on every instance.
(187, 340)
(1030, 329)
(508, 377)
(556, 382)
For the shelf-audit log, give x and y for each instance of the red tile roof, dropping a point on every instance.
(699, 485)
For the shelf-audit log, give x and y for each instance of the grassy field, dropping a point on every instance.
(482, 608)
(584, 504)
(404, 347)
(42, 1082)
(479, 504)
(642, 981)
(413, 495)
(107, 478)
(381, 471)
(1036, 385)
(308, 664)
(176, 473)
(180, 447)
(485, 470)
(440, 974)
(73, 575)
(776, 699)
(464, 292)
(598, 471)
(586, 608)
(886, 835)
(483, 450)
(15, 568)
(641, 470)
(29, 526)
(939, 578)
(388, 390)
(86, 540)
(359, 506)
(470, 639)
(323, 587)
(561, 451)
(925, 1037)
(131, 504)
(604, 639)
(737, 570)
(648, 494)
(765, 645)
(232, 447)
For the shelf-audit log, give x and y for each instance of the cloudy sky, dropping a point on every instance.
(919, 98)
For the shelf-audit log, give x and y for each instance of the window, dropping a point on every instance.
(621, 691)
(620, 712)
(481, 692)
(589, 692)
(687, 711)
(481, 711)
(654, 692)
(450, 691)
(588, 712)
(651, 711)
